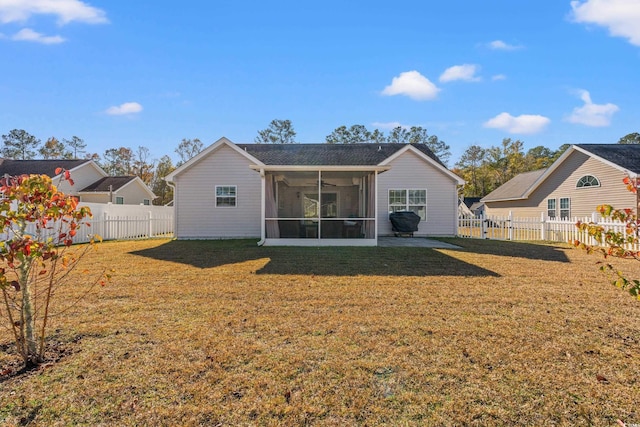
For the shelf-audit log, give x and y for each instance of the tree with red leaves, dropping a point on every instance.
(619, 244)
(39, 224)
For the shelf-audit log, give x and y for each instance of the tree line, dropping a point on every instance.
(484, 169)
(282, 132)
(18, 144)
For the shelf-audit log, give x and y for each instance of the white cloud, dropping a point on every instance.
(27, 34)
(621, 17)
(66, 11)
(524, 124)
(590, 114)
(389, 125)
(498, 77)
(500, 45)
(412, 84)
(464, 72)
(126, 108)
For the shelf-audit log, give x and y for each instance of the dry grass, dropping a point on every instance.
(225, 333)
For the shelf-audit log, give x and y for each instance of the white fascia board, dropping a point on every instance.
(510, 199)
(88, 163)
(555, 165)
(316, 168)
(561, 160)
(204, 153)
(427, 159)
(141, 183)
(606, 162)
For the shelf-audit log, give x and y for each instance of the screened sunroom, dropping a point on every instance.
(328, 206)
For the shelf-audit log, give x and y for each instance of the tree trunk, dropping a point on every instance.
(28, 326)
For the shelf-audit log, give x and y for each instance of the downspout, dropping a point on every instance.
(459, 193)
(263, 234)
(175, 210)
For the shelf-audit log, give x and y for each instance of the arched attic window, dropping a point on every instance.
(588, 181)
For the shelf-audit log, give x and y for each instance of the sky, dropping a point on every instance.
(141, 73)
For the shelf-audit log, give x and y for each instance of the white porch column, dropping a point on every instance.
(319, 203)
(263, 185)
(375, 213)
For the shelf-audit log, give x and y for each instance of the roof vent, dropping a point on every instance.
(379, 148)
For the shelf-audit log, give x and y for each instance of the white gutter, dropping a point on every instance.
(175, 210)
(314, 168)
(263, 234)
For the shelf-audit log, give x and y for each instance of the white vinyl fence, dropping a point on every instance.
(121, 222)
(531, 229)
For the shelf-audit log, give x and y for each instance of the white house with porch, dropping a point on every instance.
(312, 194)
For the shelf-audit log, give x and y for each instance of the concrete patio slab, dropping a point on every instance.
(414, 242)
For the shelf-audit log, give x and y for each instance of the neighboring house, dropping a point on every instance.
(311, 194)
(91, 183)
(477, 208)
(585, 176)
(470, 207)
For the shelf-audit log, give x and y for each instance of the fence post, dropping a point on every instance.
(542, 227)
(150, 224)
(510, 222)
(483, 226)
(105, 225)
(594, 220)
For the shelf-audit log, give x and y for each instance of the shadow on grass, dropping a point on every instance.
(323, 261)
(534, 251)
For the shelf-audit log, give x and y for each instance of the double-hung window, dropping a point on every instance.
(565, 208)
(226, 196)
(409, 200)
(551, 208)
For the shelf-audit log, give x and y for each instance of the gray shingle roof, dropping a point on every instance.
(327, 154)
(515, 188)
(103, 184)
(36, 167)
(626, 156)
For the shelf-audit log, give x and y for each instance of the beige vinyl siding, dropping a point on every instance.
(197, 215)
(411, 172)
(95, 198)
(562, 183)
(82, 177)
(133, 193)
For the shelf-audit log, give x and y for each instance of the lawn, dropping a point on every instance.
(226, 333)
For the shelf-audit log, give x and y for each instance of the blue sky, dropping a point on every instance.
(133, 73)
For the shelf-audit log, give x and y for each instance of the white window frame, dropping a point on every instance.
(406, 205)
(553, 209)
(121, 198)
(146, 202)
(223, 196)
(590, 185)
(567, 209)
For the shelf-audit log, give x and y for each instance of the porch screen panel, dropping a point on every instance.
(271, 210)
(369, 225)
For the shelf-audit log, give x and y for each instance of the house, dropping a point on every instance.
(311, 194)
(469, 207)
(586, 175)
(91, 183)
